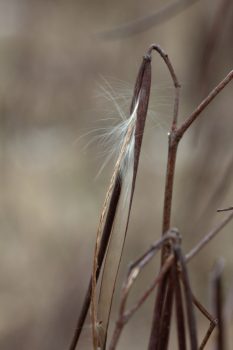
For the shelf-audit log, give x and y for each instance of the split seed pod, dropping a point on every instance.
(131, 147)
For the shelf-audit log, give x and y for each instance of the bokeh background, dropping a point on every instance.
(55, 69)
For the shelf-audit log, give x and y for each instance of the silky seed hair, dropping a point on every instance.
(110, 136)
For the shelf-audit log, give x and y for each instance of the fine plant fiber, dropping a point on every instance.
(115, 97)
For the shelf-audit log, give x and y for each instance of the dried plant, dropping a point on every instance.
(172, 282)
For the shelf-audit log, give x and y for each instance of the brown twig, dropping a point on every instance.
(208, 334)
(165, 322)
(174, 138)
(218, 302)
(213, 322)
(134, 270)
(180, 319)
(225, 209)
(125, 315)
(156, 322)
(188, 297)
(170, 173)
(186, 124)
(172, 145)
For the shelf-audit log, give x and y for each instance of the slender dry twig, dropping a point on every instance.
(213, 322)
(172, 146)
(164, 311)
(225, 209)
(180, 319)
(134, 270)
(218, 302)
(142, 24)
(174, 139)
(165, 322)
(175, 136)
(137, 266)
(208, 334)
(125, 315)
(156, 315)
(188, 296)
(188, 121)
(170, 173)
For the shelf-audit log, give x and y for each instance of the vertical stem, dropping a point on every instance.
(164, 331)
(218, 303)
(172, 151)
(156, 323)
(180, 318)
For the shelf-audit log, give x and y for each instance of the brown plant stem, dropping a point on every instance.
(188, 296)
(175, 136)
(180, 319)
(173, 144)
(165, 322)
(172, 152)
(157, 321)
(218, 302)
(207, 335)
(188, 121)
(213, 322)
(225, 209)
(125, 315)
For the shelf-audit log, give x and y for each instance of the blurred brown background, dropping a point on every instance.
(52, 61)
